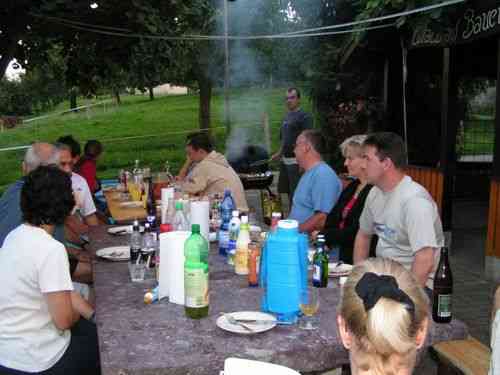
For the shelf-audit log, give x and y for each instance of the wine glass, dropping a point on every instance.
(309, 305)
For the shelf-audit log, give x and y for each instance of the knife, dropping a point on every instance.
(258, 321)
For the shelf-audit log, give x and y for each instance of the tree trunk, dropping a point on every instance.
(205, 86)
(151, 94)
(72, 99)
(4, 63)
(117, 97)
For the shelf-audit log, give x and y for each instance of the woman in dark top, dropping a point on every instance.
(343, 221)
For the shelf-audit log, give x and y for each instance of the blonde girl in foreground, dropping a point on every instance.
(383, 318)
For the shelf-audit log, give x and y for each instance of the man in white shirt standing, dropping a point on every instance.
(398, 210)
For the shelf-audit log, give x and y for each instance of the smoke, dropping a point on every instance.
(246, 72)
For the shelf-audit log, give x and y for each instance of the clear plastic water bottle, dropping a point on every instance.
(234, 229)
(135, 242)
(180, 222)
(227, 206)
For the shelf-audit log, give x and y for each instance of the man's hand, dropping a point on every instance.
(276, 156)
(361, 246)
(84, 257)
(314, 223)
(423, 264)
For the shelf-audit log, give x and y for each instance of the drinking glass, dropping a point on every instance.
(137, 272)
(309, 305)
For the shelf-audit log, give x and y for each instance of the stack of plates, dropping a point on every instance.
(339, 269)
(115, 253)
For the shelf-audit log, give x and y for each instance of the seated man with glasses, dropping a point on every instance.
(319, 187)
(10, 209)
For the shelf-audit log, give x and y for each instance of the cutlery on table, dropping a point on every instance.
(231, 319)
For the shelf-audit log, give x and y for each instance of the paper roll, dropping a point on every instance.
(200, 214)
(166, 194)
(171, 282)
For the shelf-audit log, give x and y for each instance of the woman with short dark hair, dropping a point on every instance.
(37, 303)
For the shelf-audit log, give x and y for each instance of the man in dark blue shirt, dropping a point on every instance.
(295, 121)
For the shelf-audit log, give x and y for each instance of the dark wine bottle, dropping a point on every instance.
(320, 264)
(443, 290)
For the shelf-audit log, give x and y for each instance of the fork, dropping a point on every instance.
(233, 321)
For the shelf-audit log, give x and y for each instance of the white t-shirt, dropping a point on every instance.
(83, 196)
(495, 346)
(31, 263)
(405, 220)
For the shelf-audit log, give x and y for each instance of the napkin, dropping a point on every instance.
(200, 214)
(240, 366)
(171, 280)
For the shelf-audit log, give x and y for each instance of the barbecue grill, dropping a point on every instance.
(252, 166)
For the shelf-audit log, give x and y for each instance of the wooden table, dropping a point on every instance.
(135, 338)
(120, 213)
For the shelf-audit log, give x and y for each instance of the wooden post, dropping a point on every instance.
(267, 132)
(492, 261)
(449, 123)
(386, 84)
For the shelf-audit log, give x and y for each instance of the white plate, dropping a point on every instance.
(256, 327)
(115, 253)
(123, 229)
(131, 204)
(342, 270)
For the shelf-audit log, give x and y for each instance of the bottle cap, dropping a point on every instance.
(135, 226)
(236, 213)
(165, 228)
(195, 228)
(244, 219)
(288, 224)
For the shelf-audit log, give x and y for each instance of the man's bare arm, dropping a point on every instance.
(315, 222)
(423, 264)
(361, 246)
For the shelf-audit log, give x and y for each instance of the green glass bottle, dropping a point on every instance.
(196, 275)
(320, 264)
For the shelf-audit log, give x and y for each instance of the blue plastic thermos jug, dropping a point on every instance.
(283, 272)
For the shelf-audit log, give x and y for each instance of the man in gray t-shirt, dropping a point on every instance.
(295, 121)
(399, 211)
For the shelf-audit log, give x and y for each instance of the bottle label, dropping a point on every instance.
(444, 305)
(223, 240)
(241, 261)
(196, 287)
(231, 245)
(317, 273)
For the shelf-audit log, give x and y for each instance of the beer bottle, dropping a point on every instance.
(320, 264)
(443, 289)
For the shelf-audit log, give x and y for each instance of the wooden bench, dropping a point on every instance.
(469, 357)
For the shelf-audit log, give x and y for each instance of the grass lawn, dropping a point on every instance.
(479, 135)
(155, 129)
